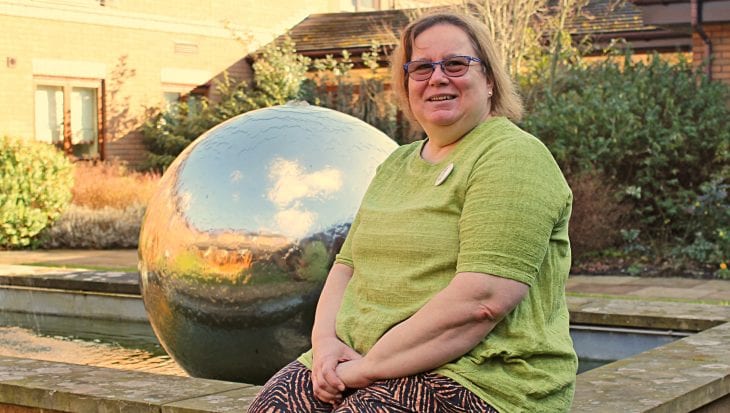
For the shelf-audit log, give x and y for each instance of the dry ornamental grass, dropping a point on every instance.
(106, 210)
(111, 184)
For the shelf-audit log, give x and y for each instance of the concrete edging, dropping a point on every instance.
(691, 374)
(111, 306)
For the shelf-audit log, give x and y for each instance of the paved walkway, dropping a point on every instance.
(20, 264)
(70, 258)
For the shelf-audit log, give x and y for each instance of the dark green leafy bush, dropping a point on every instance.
(35, 187)
(658, 132)
(707, 224)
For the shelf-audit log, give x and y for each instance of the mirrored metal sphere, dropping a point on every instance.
(238, 240)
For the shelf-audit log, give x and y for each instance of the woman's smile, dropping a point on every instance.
(441, 98)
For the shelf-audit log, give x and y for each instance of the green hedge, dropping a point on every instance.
(659, 132)
(35, 187)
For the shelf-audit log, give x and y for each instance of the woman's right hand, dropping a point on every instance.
(327, 354)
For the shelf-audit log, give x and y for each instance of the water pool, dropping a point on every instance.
(103, 343)
(133, 345)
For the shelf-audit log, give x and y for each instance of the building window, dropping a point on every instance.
(169, 99)
(67, 116)
(366, 5)
(49, 114)
(193, 97)
(84, 122)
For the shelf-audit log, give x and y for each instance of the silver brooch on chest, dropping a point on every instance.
(444, 174)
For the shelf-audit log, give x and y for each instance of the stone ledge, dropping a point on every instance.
(687, 375)
(682, 376)
(75, 280)
(72, 303)
(658, 315)
(76, 388)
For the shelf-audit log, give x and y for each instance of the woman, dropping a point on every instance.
(448, 294)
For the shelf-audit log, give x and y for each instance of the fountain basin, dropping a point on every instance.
(688, 374)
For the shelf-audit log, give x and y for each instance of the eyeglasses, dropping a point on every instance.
(452, 67)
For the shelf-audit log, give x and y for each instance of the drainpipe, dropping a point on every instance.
(696, 7)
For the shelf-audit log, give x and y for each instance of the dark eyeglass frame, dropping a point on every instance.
(469, 59)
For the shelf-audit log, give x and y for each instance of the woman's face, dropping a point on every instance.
(456, 103)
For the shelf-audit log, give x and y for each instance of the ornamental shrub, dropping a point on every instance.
(597, 216)
(279, 72)
(658, 132)
(111, 184)
(279, 76)
(35, 187)
(367, 98)
(83, 227)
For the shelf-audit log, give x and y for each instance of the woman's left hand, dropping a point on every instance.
(354, 374)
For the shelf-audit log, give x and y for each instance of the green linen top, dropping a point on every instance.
(503, 210)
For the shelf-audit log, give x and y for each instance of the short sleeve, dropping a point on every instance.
(345, 254)
(515, 195)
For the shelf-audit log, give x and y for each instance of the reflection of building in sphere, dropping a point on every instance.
(238, 240)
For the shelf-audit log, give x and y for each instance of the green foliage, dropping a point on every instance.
(658, 132)
(723, 272)
(35, 187)
(167, 133)
(278, 77)
(367, 99)
(707, 224)
(279, 73)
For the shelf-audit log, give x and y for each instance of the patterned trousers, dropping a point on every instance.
(290, 390)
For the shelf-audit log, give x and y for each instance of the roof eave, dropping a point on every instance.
(671, 13)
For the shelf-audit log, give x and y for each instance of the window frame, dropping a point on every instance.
(185, 92)
(67, 84)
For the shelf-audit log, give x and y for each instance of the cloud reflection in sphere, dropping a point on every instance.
(238, 239)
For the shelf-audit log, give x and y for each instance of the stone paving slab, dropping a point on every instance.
(646, 314)
(600, 279)
(77, 388)
(716, 285)
(231, 401)
(651, 287)
(70, 279)
(678, 377)
(720, 296)
(128, 283)
(106, 258)
(669, 292)
(673, 282)
(621, 289)
(34, 270)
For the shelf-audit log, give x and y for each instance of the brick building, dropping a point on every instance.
(705, 22)
(81, 73)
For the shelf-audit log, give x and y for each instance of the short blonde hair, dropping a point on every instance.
(505, 100)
